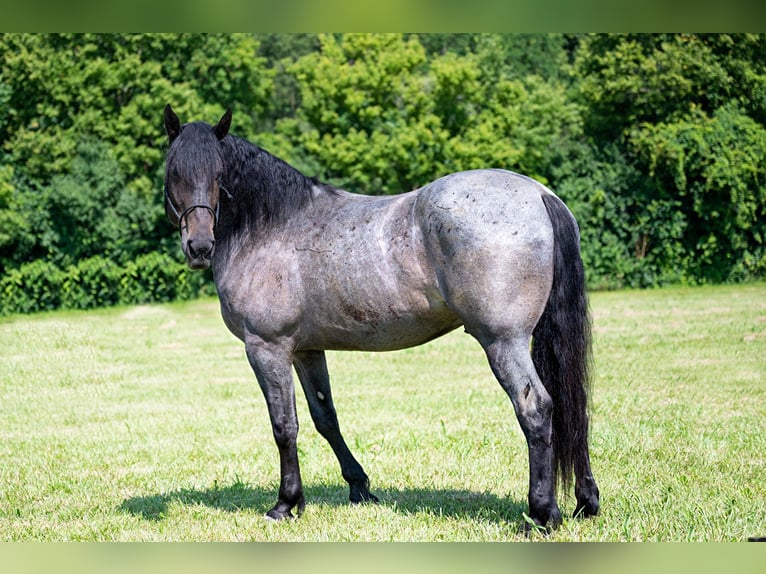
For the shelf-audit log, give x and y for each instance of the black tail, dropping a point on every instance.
(561, 349)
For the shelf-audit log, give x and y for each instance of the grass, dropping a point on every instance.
(146, 423)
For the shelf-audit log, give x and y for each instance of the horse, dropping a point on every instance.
(302, 267)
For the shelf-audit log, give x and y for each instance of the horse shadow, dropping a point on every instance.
(238, 496)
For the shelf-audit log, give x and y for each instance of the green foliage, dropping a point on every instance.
(157, 277)
(516, 56)
(13, 225)
(378, 116)
(91, 283)
(655, 141)
(524, 126)
(33, 287)
(99, 282)
(630, 79)
(686, 113)
(364, 113)
(715, 167)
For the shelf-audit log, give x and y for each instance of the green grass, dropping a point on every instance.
(146, 423)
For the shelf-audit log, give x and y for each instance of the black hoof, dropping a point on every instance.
(366, 497)
(362, 497)
(586, 507)
(277, 515)
(587, 495)
(542, 525)
(360, 493)
(282, 510)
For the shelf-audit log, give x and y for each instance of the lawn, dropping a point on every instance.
(146, 423)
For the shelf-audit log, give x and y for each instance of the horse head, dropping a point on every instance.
(193, 171)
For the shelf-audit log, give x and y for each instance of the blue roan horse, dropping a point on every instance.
(301, 267)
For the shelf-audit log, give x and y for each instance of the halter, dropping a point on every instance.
(188, 210)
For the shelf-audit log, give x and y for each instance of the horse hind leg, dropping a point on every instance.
(512, 365)
(312, 372)
(586, 491)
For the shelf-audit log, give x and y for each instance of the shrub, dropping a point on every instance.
(157, 277)
(91, 283)
(100, 282)
(33, 287)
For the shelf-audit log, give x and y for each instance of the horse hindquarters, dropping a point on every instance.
(506, 254)
(549, 389)
(492, 244)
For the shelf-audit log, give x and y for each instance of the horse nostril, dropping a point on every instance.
(201, 248)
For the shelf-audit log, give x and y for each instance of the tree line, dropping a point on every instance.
(656, 142)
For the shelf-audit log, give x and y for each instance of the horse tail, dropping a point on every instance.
(561, 348)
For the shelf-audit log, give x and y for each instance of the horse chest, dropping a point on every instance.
(258, 295)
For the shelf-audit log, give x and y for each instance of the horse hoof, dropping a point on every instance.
(543, 526)
(272, 516)
(275, 515)
(362, 497)
(360, 492)
(586, 508)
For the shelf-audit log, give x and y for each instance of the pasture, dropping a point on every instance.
(146, 423)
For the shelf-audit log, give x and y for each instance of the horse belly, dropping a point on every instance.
(372, 287)
(376, 303)
(358, 327)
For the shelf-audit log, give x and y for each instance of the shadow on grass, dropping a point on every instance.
(240, 496)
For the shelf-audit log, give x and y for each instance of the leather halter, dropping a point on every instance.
(188, 210)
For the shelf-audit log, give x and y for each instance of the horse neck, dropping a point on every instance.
(263, 190)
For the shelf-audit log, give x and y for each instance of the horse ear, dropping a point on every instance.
(172, 125)
(223, 125)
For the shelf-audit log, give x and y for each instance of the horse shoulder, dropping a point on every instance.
(260, 291)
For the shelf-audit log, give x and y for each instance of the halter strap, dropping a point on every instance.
(188, 210)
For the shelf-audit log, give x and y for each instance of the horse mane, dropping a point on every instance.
(263, 190)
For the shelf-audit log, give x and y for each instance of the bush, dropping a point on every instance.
(100, 282)
(33, 287)
(91, 283)
(157, 277)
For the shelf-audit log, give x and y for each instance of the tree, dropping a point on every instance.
(687, 112)
(377, 115)
(715, 168)
(60, 92)
(365, 117)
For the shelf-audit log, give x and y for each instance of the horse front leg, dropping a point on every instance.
(273, 368)
(311, 367)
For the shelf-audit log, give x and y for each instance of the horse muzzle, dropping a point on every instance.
(199, 252)
(197, 230)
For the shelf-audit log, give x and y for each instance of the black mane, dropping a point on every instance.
(263, 190)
